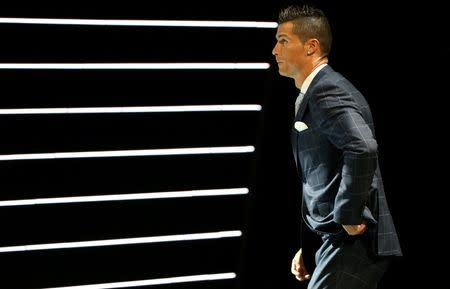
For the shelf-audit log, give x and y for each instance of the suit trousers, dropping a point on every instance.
(347, 262)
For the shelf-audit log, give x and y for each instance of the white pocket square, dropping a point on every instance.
(300, 126)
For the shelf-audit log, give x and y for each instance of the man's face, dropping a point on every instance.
(289, 51)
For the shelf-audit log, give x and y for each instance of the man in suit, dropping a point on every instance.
(336, 155)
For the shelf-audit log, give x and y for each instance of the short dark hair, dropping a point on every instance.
(309, 22)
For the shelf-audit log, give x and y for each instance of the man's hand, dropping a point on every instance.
(298, 267)
(354, 230)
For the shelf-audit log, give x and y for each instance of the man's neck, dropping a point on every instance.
(309, 69)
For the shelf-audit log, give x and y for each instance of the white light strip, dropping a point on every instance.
(241, 65)
(132, 109)
(159, 281)
(130, 153)
(124, 241)
(124, 22)
(122, 197)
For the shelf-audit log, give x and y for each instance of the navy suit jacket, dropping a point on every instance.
(336, 155)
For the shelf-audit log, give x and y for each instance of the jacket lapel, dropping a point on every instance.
(304, 103)
(294, 133)
(302, 110)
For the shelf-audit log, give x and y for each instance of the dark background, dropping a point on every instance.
(394, 53)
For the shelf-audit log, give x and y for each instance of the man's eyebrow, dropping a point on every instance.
(281, 35)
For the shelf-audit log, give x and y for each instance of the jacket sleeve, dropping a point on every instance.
(340, 117)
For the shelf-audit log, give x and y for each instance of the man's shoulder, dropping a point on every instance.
(327, 77)
(329, 81)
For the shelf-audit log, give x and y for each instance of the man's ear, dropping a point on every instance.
(312, 45)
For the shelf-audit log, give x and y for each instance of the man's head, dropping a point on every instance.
(303, 40)
(309, 22)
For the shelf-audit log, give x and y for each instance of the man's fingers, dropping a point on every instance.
(303, 277)
(294, 271)
(298, 268)
(362, 228)
(300, 272)
(353, 230)
(359, 229)
(294, 266)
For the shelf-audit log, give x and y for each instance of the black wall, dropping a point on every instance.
(395, 54)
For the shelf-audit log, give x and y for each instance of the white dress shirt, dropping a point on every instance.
(305, 86)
